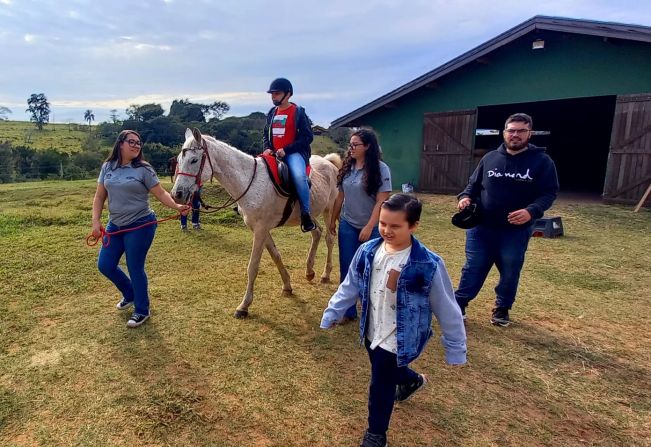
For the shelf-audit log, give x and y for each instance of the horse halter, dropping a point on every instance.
(197, 176)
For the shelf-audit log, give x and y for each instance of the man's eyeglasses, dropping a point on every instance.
(354, 145)
(516, 131)
(134, 143)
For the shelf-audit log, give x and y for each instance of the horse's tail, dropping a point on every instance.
(335, 159)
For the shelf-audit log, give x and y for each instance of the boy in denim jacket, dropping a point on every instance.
(400, 283)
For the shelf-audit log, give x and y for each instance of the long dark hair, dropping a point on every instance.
(116, 154)
(372, 177)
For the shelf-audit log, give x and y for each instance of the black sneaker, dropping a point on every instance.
(307, 224)
(136, 320)
(373, 440)
(500, 317)
(123, 304)
(404, 392)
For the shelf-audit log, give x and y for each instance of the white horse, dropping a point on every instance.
(246, 180)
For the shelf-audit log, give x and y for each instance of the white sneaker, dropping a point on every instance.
(137, 320)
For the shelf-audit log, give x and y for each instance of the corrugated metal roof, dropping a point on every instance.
(577, 26)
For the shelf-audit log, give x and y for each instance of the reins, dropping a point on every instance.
(105, 236)
(197, 178)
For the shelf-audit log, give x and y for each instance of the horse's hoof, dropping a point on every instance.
(310, 276)
(240, 314)
(325, 280)
(287, 292)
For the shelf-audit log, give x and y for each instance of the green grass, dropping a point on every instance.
(61, 137)
(573, 370)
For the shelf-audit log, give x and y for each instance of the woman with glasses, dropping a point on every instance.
(126, 180)
(364, 182)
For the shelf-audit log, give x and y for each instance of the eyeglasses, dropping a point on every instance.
(354, 145)
(516, 131)
(134, 143)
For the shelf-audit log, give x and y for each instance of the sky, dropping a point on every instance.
(339, 54)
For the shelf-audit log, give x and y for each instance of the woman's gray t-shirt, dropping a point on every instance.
(358, 205)
(128, 191)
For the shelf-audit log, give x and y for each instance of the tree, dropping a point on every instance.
(89, 116)
(186, 112)
(217, 109)
(114, 115)
(145, 112)
(4, 111)
(39, 107)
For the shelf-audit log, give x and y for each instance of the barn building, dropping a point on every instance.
(586, 84)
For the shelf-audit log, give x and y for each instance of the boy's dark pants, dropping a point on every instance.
(385, 376)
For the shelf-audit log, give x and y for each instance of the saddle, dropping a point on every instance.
(279, 174)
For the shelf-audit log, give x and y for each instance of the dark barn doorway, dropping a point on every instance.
(578, 141)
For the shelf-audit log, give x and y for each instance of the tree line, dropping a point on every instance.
(162, 136)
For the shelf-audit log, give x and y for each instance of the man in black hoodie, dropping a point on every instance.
(513, 186)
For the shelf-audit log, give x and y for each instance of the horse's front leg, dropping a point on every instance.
(275, 255)
(259, 238)
(316, 237)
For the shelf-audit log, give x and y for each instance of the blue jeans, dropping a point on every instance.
(385, 376)
(296, 165)
(505, 248)
(348, 239)
(196, 204)
(136, 245)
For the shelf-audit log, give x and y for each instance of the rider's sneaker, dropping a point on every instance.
(307, 224)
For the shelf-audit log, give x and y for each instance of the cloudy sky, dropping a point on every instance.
(339, 54)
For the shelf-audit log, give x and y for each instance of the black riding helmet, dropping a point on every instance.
(281, 85)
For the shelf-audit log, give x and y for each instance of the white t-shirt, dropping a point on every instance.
(382, 306)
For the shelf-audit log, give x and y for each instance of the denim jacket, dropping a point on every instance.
(424, 287)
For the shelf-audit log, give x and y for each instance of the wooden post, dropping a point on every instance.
(643, 199)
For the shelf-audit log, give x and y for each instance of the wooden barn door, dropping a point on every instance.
(446, 160)
(629, 162)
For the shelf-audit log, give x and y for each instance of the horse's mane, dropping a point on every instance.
(223, 144)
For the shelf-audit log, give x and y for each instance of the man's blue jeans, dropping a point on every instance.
(296, 165)
(505, 248)
(135, 244)
(348, 239)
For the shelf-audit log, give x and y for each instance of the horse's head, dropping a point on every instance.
(193, 166)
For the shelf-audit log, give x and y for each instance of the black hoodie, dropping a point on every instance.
(503, 183)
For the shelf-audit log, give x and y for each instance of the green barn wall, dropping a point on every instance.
(570, 66)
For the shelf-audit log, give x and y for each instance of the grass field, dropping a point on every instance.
(61, 137)
(573, 370)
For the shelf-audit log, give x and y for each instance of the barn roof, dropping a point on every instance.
(577, 26)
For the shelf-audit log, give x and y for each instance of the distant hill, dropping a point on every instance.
(71, 138)
(65, 138)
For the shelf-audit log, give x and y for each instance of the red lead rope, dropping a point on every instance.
(91, 241)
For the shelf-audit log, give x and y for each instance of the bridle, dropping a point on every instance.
(197, 178)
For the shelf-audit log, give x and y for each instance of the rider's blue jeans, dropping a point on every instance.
(296, 165)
